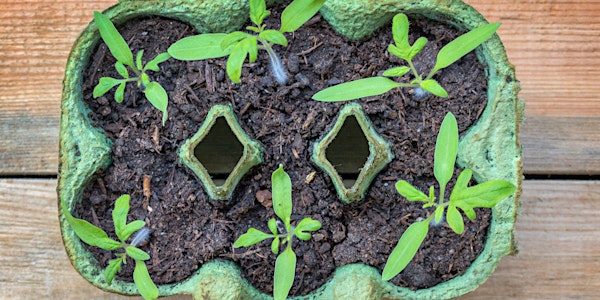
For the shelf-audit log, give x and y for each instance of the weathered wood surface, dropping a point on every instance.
(558, 234)
(554, 45)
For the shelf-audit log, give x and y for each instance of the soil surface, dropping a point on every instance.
(189, 229)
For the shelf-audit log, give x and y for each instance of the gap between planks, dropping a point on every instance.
(557, 230)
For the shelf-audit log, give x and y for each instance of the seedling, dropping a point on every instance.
(240, 44)
(285, 265)
(485, 195)
(153, 91)
(97, 237)
(374, 86)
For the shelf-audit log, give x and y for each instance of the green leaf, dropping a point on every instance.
(258, 11)
(455, 220)
(446, 148)
(137, 253)
(360, 88)
(114, 266)
(121, 69)
(410, 192)
(275, 245)
(431, 194)
(400, 32)
(439, 214)
(469, 212)
(157, 95)
(138, 60)
(131, 228)
(306, 224)
(198, 47)
(252, 46)
(233, 38)
(91, 234)
(251, 237)
(153, 64)
(397, 71)
(119, 215)
(273, 226)
(143, 282)
(120, 92)
(285, 269)
(299, 12)
(434, 87)
(462, 181)
(417, 47)
(274, 37)
(486, 194)
(236, 59)
(104, 85)
(400, 53)
(113, 39)
(406, 249)
(282, 195)
(463, 44)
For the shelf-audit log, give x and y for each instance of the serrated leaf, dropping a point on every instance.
(275, 245)
(137, 253)
(251, 237)
(462, 181)
(299, 12)
(434, 87)
(132, 227)
(120, 92)
(409, 192)
(91, 234)
(158, 97)
(282, 195)
(439, 214)
(356, 89)
(469, 212)
(397, 71)
(251, 45)
(104, 85)
(153, 64)
(446, 148)
(463, 44)
(233, 38)
(121, 69)
(143, 282)
(114, 266)
(274, 37)
(198, 47)
(138, 60)
(455, 220)
(486, 194)
(258, 11)
(285, 269)
(119, 216)
(113, 39)
(406, 249)
(400, 31)
(400, 53)
(417, 47)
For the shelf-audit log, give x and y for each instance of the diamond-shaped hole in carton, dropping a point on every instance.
(219, 151)
(349, 151)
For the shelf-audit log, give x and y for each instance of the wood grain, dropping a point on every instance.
(557, 231)
(553, 44)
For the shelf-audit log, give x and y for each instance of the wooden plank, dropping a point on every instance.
(552, 43)
(559, 239)
(36, 37)
(561, 145)
(557, 231)
(554, 46)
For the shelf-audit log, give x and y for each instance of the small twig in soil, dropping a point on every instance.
(309, 50)
(244, 109)
(192, 94)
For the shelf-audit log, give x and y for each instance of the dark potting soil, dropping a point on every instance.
(189, 229)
